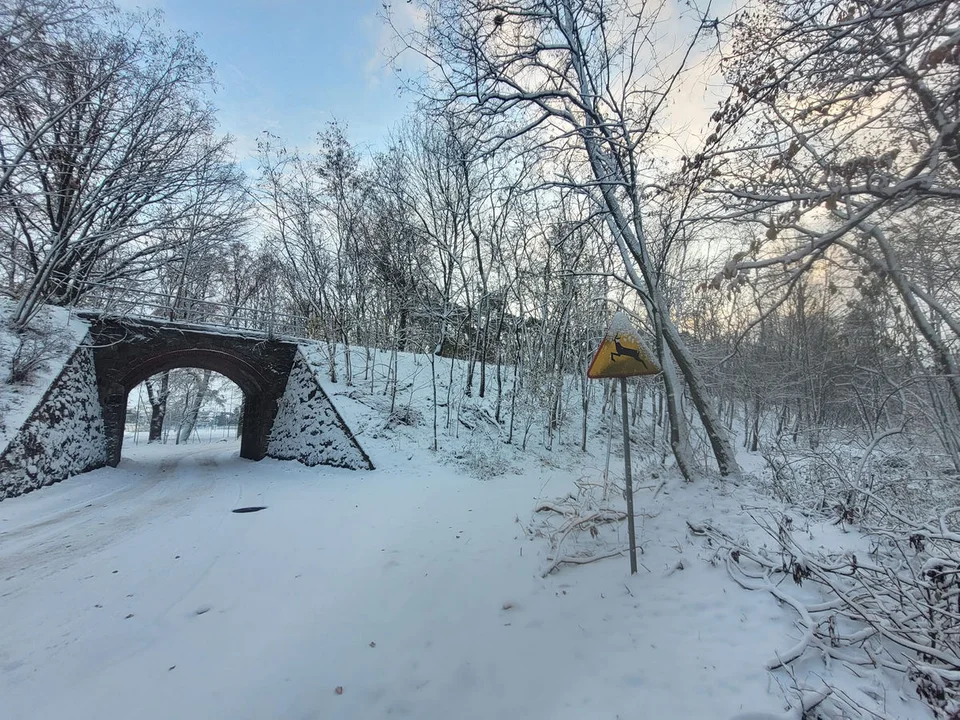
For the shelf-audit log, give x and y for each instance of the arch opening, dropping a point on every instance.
(260, 394)
(184, 406)
(127, 353)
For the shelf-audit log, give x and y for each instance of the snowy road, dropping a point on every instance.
(137, 593)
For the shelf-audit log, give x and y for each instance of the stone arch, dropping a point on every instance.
(127, 353)
(247, 377)
(255, 387)
(86, 405)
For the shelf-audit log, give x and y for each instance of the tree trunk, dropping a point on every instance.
(679, 441)
(433, 383)
(586, 391)
(675, 354)
(157, 395)
(193, 409)
(945, 360)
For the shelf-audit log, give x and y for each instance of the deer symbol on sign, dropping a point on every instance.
(625, 352)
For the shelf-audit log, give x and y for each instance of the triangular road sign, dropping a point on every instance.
(621, 354)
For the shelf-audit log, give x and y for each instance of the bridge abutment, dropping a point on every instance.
(113, 405)
(80, 423)
(258, 415)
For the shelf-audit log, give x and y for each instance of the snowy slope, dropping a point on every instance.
(665, 505)
(62, 333)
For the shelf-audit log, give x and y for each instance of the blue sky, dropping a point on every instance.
(290, 66)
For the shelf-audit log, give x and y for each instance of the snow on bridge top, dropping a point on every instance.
(131, 320)
(153, 308)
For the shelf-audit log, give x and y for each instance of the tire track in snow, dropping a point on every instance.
(63, 537)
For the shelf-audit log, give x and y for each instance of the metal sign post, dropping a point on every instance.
(621, 355)
(628, 477)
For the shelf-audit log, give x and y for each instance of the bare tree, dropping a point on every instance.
(844, 140)
(158, 391)
(288, 197)
(582, 76)
(107, 144)
(33, 33)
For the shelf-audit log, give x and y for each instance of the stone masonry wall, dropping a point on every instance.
(63, 436)
(309, 429)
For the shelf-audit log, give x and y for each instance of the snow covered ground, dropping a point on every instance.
(138, 593)
(417, 590)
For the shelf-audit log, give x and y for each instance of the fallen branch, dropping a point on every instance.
(905, 600)
(797, 650)
(580, 560)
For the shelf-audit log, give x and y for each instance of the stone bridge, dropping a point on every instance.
(78, 427)
(127, 352)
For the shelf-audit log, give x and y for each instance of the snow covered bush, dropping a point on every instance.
(34, 351)
(406, 415)
(581, 526)
(482, 460)
(839, 477)
(894, 607)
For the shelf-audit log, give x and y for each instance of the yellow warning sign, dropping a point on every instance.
(621, 354)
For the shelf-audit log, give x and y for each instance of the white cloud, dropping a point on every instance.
(383, 29)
